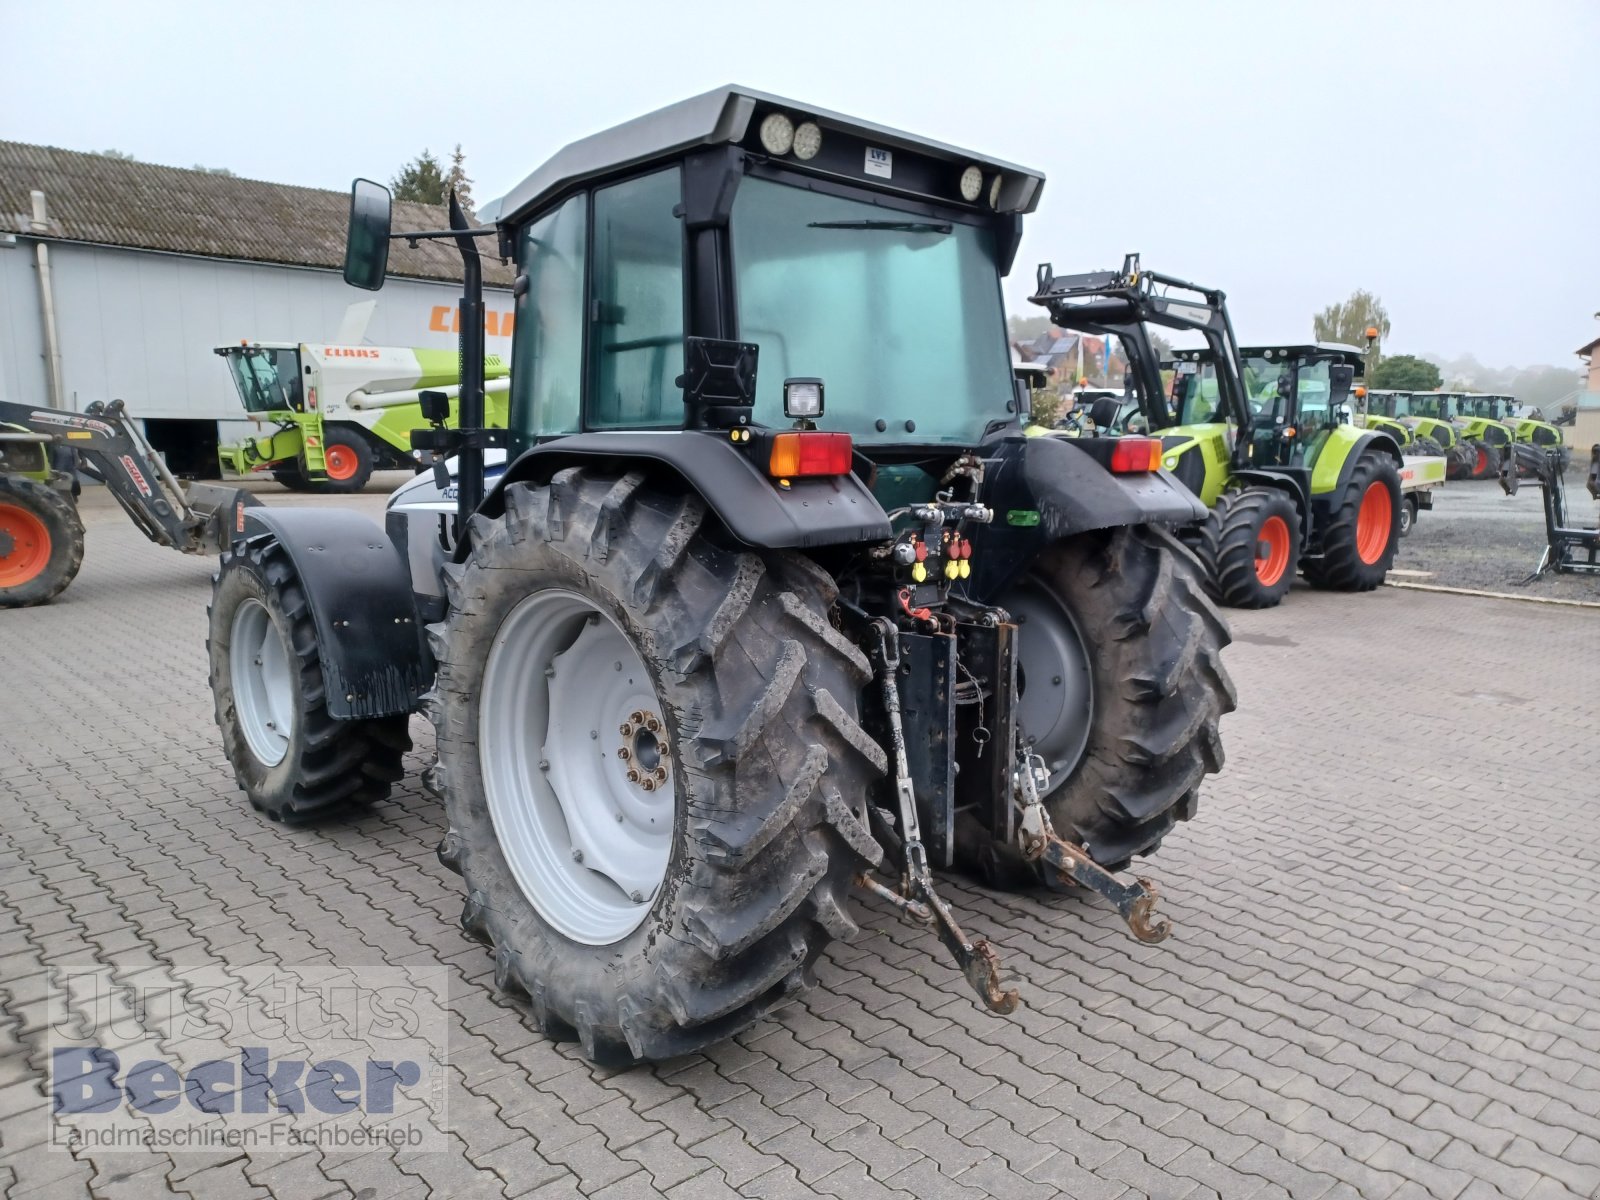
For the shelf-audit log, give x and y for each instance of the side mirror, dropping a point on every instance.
(366, 246)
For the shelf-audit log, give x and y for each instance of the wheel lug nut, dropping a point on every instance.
(623, 753)
(661, 774)
(625, 729)
(636, 717)
(648, 784)
(544, 764)
(634, 776)
(652, 724)
(638, 897)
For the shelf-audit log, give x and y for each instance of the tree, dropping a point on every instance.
(421, 180)
(1405, 373)
(119, 155)
(212, 170)
(1349, 321)
(458, 179)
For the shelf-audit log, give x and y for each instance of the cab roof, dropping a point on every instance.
(732, 115)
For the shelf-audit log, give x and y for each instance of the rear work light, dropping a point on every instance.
(803, 453)
(1132, 455)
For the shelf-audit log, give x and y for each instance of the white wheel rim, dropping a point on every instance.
(263, 685)
(567, 710)
(1056, 705)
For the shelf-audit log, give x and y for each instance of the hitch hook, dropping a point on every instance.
(1038, 841)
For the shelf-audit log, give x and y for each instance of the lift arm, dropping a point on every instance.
(109, 446)
(1125, 303)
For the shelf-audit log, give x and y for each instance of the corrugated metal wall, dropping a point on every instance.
(140, 326)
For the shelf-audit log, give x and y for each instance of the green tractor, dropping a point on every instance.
(1481, 421)
(1438, 415)
(1534, 437)
(1259, 435)
(41, 533)
(1383, 410)
(772, 602)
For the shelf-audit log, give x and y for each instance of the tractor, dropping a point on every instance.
(1438, 415)
(1534, 436)
(1259, 435)
(1481, 422)
(1383, 410)
(772, 600)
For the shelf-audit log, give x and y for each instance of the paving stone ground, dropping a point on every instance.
(1383, 980)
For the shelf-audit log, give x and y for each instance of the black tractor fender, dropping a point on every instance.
(1075, 491)
(369, 640)
(809, 513)
(1044, 489)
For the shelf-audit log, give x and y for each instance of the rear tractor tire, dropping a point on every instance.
(41, 542)
(293, 761)
(1425, 446)
(1460, 460)
(1363, 533)
(1123, 688)
(1250, 547)
(651, 765)
(1486, 463)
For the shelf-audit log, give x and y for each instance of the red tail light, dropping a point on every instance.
(1132, 455)
(809, 453)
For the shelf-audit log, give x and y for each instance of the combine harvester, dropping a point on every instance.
(341, 411)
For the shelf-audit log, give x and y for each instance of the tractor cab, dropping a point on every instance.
(266, 375)
(1296, 394)
(1385, 410)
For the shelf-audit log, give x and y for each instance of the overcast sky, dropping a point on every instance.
(1445, 155)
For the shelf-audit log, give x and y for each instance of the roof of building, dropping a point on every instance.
(723, 116)
(1588, 348)
(108, 201)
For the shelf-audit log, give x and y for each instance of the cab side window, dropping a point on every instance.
(636, 307)
(547, 363)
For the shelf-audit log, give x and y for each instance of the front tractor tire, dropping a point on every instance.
(347, 460)
(293, 761)
(1250, 547)
(650, 762)
(1123, 687)
(41, 542)
(1363, 532)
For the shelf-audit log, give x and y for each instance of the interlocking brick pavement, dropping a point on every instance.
(1382, 984)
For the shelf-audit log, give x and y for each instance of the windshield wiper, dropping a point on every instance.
(892, 226)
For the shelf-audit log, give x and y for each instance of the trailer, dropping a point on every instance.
(1419, 475)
